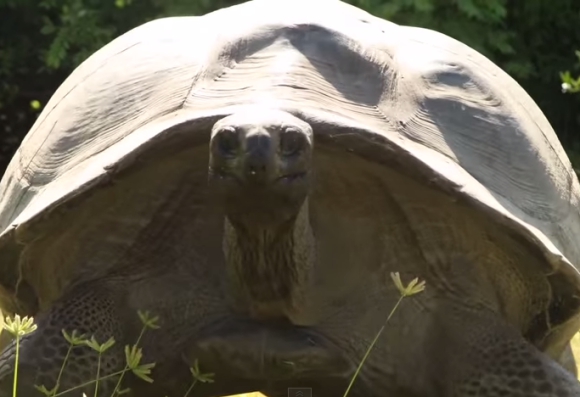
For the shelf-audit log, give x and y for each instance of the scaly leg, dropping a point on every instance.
(89, 309)
(483, 356)
(250, 350)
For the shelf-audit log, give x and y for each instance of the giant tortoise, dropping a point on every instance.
(254, 175)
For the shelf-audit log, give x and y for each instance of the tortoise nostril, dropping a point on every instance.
(258, 156)
(257, 164)
(254, 169)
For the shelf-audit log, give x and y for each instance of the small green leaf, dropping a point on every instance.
(101, 348)
(45, 391)
(35, 104)
(143, 371)
(133, 356)
(197, 375)
(147, 320)
(92, 343)
(74, 339)
(107, 345)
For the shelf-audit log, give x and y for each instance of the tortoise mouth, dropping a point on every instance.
(289, 178)
(242, 180)
(260, 202)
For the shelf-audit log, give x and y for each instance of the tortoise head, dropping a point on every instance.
(260, 161)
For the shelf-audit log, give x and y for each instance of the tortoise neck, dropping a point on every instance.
(270, 264)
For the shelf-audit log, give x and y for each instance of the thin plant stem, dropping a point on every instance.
(118, 385)
(368, 352)
(190, 388)
(16, 365)
(90, 383)
(66, 357)
(98, 374)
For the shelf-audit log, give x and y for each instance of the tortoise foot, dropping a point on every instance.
(251, 350)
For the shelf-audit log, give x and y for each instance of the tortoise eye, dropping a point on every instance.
(228, 141)
(291, 142)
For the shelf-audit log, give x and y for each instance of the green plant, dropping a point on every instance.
(570, 84)
(414, 287)
(18, 327)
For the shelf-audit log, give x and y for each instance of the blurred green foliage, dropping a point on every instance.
(42, 41)
(569, 83)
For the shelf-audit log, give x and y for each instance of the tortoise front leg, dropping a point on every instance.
(251, 350)
(483, 356)
(90, 309)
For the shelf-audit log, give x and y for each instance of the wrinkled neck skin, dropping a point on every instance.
(270, 264)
